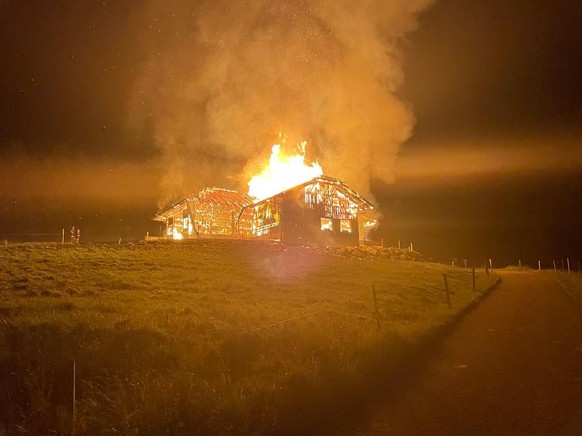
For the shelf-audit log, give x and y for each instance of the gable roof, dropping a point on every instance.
(363, 204)
(235, 201)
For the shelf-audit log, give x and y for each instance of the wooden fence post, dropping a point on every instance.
(447, 290)
(73, 397)
(376, 311)
(474, 287)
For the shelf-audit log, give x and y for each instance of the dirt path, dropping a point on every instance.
(512, 367)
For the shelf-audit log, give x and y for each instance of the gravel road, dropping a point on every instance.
(513, 366)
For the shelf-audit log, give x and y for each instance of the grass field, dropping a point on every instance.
(208, 337)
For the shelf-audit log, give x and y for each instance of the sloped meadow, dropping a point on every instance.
(210, 336)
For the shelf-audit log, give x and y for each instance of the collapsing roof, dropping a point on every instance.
(208, 198)
(211, 212)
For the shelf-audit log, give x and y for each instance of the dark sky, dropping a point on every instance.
(67, 73)
(493, 169)
(496, 67)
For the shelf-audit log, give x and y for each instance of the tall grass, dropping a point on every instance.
(207, 337)
(571, 283)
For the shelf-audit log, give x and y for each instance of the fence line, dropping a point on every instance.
(319, 312)
(26, 237)
(30, 234)
(288, 320)
(375, 316)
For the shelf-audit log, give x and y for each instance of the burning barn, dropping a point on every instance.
(289, 201)
(213, 212)
(322, 211)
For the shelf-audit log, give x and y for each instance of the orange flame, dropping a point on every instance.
(283, 173)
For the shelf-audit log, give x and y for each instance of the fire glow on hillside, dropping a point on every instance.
(283, 173)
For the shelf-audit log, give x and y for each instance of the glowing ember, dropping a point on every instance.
(177, 235)
(282, 173)
(371, 223)
(326, 224)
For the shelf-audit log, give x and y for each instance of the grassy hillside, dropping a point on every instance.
(571, 283)
(207, 336)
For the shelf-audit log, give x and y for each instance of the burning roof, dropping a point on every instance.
(284, 172)
(225, 199)
(362, 204)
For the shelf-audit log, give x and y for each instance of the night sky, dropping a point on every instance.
(493, 168)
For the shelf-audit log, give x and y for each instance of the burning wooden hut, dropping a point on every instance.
(213, 212)
(323, 210)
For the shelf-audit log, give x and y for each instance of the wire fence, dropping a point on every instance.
(33, 237)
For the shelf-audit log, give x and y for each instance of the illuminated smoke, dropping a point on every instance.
(221, 78)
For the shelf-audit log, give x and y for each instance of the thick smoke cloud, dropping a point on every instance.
(223, 78)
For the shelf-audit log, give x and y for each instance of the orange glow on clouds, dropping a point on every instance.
(451, 162)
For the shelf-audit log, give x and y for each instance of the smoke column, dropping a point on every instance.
(221, 78)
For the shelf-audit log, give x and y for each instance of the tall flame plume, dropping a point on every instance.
(283, 173)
